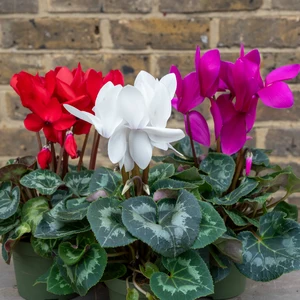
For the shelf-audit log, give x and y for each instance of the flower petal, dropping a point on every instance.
(79, 114)
(140, 148)
(132, 106)
(216, 114)
(175, 71)
(283, 73)
(66, 121)
(33, 122)
(233, 134)
(117, 144)
(277, 95)
(209, 72)
(170, 83)
(197, 129)
(164, 135)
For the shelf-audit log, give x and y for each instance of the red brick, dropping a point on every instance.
(18, 6)
(51, 33)
(260, 32)
(192, 6)
(160, 33)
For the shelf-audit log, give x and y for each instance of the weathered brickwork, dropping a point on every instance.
(151, 35)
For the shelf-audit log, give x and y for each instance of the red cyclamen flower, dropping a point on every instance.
(44, 157)
(70, 144)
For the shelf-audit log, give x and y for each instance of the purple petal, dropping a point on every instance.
(283, 73)
(242, 50)
(199, 129)
(253, 56)
(175, 70)
(226, 75)
(191, 93)
(226, 107)
(233, 134)
(277, 95)
(251, 114)
(174, 102)
(197, 59)
(208, 73)
(249, 157)
(216, 114)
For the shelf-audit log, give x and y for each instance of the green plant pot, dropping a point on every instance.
(117, 289)
(231, 286)
(28, 267)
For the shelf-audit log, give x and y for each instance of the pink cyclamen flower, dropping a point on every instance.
(249, 157)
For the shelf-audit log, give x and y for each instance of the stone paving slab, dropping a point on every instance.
(287, 287)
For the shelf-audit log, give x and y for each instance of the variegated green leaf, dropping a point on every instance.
(56, 284)
(160, 171)
(105, 217)
(113, 271)
(78, 182)
(104, 178)
(171, 184)
(132, 294)
(212, 226)
(189, 278)
(236, 216)
(290, 210)
(191, 174)
(45, 181)
(8, 224)
(9, 200)
(184, 147)
(43, 247)
(12, 172)
(259, 199)
(50, 228)
(273, 250)
(71, 254)
(60, 195)
(260, 157)
(246, 187)
(148, 269)
(219, 169)
(87, 272)
(33, 210)
(169, 227)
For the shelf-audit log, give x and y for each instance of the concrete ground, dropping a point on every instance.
(287, 287)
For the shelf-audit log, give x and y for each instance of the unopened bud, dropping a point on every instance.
(146, 188)
(129, 183)
(249, 157)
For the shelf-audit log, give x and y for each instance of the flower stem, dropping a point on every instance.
(82, 152)
(145, 175)
(125, 177)
(240, 162)
(39, 140)
(94, 150)
(192, 141)
(53, 154)
(65, 164)
(117, 254)
(136, 285)
(61, 152)
(138, 184)
(219, 145)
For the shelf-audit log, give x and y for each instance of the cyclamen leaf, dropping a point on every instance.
(105, 217)
(43, 247)
(113, 271)
(132, 294)
(78, 182)
(291, 210)
(8, 224)
(169, 227)
(56, 284)
(273, 250)
(260, 157)
(189, 278)
(184, 147)
(192, 175)
(45, 181)
(171, 184)
(71, 254)
(148, 269)
(87, 272)
(104, 178)
(32, 211)
(9, 200)
(236, 217)
(160, 171)
(212, 226)
(219, 169)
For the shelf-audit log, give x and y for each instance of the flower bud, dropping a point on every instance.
(44, 157)
(249, 157)
(70, 145)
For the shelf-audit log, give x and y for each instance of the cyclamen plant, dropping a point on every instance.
(170, 231)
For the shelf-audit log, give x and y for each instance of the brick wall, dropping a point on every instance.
(36, 35)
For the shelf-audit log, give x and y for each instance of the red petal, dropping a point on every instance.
(81, 127)
(13, 83)
(44, 158)
(115, 76)
(66, 121)
(33, 122)
(65, 75)
(94, 82)
(51, 134)
(50, 82)
(64, 91)
(71, 146)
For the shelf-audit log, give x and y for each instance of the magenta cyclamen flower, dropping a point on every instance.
(234, 113)
(188, 97)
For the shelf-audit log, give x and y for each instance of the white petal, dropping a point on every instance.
(103, 91)
(127, 162)
(164, 135)
(143, 77)
(132, 106)
(107, 109)
(162, 146)
(170, 82)
(140, 148)
(145, 83)
(160, 107)
(78, 113)
(117, 144)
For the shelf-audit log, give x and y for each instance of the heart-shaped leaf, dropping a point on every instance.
(260, 157)
(189, 278)
(273, 250)
(291, 210)
(12, 172)
(8, 224)
(160, 171)
(87, 272)
(50, 228)
(78, 182)
(169, 228)
(56, 284)
(9, 200)
(33, 210)
(219, 169)
(191, 174)
(45, 181)
(171, 184)
(104, 178)
(71, 254)
(212, 226)
(184, 147)
(60, 195)
(43, 247)
(236, 217)
(105, 217)
(148, 269)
